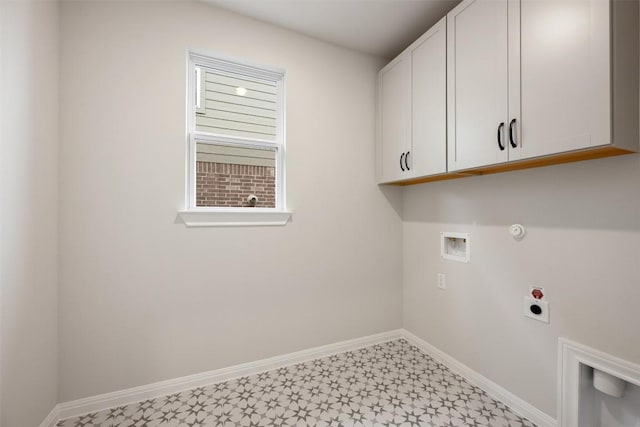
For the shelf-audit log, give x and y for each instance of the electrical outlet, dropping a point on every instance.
(442, 284)
(536, 309)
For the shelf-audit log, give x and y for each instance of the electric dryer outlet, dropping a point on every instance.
(536, 309)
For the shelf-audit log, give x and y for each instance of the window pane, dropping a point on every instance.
(237, 106)
(227, 175)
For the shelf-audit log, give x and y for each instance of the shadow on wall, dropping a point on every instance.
(594, 194)
(393, 194)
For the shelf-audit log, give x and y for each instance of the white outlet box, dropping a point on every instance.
(536, 309)
(442, 283)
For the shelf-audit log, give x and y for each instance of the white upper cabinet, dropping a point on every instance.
(560, 83)
(412, 110)
(428, 154)
(509, 84)
(477, 83)
(533, 78)
(394, 131)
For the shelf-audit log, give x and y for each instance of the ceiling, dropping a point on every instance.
(378, 27)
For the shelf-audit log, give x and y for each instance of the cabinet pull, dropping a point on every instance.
(511, 133)
(406, 160)
(401, 157)
(500, 144)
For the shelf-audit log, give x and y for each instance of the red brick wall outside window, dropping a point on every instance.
(229, 185)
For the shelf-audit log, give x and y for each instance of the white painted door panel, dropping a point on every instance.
(477, 83)
(429, 103)
(564, 83)
(395, 104)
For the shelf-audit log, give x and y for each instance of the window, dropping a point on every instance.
(236, 144)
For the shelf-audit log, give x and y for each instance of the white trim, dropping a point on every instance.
(212, 138)
(281, 137)
(52, 419)
(221, 217)
(236, 65)
(136, 394)
(570, 355)
(198, 82)
(515, 403)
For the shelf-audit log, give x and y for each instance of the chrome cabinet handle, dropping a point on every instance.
(511, 133)
(500, 144)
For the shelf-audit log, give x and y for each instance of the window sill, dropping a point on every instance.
(233, 217)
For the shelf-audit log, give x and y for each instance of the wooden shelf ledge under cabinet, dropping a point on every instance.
(556, 159)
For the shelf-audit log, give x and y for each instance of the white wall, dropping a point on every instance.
(144, 299)
(28, 220)
(582, 245)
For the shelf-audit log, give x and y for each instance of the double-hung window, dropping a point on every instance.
(236, 149)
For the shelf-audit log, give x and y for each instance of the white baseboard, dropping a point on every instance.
(126, 397)
(52, 418)
(518, 405)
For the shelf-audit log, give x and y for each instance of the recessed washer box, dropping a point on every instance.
(455, 246)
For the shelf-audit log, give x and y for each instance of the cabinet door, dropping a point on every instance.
(477, 83)
(428, 155)
(564, 84)
(394, 109)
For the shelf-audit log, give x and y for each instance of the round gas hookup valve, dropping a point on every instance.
(517, 231)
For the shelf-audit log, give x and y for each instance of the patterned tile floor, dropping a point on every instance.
(392, 384)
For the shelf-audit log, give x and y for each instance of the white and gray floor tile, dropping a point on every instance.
(393, 384)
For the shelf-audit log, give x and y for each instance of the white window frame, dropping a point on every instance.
(199, 216)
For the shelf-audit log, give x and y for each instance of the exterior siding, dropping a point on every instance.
(235, 106)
